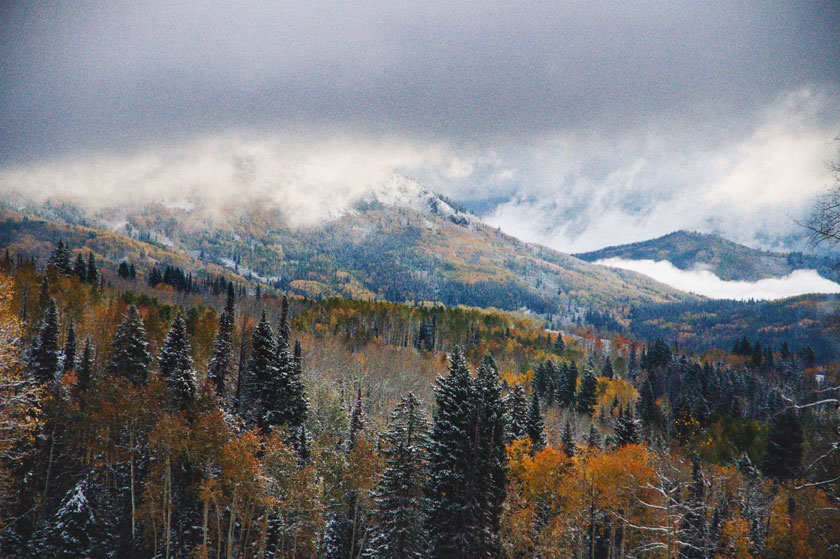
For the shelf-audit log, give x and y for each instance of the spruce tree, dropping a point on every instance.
(559, 346)
(84, 368)
(490, 454)
(284, 332)
(607, 371)
(176, 364)
(60, 258)
(220, 363)
(784, 447)
(80, 268)
(453, 521)
(69, 353)
(534, 427)
(593, 439)
(567, 438)
(296, 402)
(357, 420)
(565, 396)
(627, 429)
(44, 354)
(399, 533)
(130, 356)
(586, 399)
(71, 532)
(262, 375)
(517, 412)
(693, 528)
(92, 271)
(648, 410)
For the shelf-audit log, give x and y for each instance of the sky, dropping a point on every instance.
(573, 124)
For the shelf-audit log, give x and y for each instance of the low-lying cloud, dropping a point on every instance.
(706, 283)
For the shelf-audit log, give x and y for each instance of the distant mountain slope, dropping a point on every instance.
(728, 260)
(403, 244)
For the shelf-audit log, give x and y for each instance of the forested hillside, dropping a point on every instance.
(210, 420)
(729, 261)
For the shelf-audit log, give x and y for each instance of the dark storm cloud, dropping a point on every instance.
(116, 75)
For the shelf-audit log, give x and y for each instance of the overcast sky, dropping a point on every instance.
(574, 124)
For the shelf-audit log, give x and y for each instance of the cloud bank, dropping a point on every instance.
(706, 283)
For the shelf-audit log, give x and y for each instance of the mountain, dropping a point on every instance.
(401, 243)
(728, 260)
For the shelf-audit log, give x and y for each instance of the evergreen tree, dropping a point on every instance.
(567, 438)
(648, 410)
(69, 353)
(459, 519)
(44, 354)
(785, 352)
(176, 364)
(60, 258)
(130, 356)
(297, 405)
(284, 332)
(490, 453)
(220, 363)
(586, 399)
(593, 439)
(517, 412)
(71, 532)
(565, 395)
(357, 420)
(92, 271)
(44, 294)
(84, 368)
(693, 528)
(399, 533)
(784, 447)
(80, 268)
(559, 346)
(607, 371)
(757, 355)
(627, 429)
(534, 427)
(262, 375)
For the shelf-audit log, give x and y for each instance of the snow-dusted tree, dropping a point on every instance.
(567, 438)
(92, 276)
(262, 376)
(357, 420)
(72, 530)
(44, 354)
(130, 356)
(534, 426)
(220, 363)
(587, 396)
(517, 412)
(60, 258)
(84, 368)
(784, 447)
(627, 428)
(69, 353)
(176, 364)
(399, 532)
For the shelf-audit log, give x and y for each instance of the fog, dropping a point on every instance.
(706, 283)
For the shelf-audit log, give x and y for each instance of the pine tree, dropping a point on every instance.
(586, 399)
(400, 534)
(80, 268)
(44, 354)
(220, 363)
(71, 532)
(517, 412)
(262, 375)
(593, 439)
(130, 356)
(559, 346)
(453, 521)
(69, 353)
(648, 410)
(784, 447)
(297, 406)
(693, 528)
(567, 438)
(44, 295)
(607, 371)
(490, 453)
(565, 395)
(534, 427)
(627, 429)
(357, 420)
(60, 258)
(284, 332)
(92, 271)
(176, 364)
(84, 368)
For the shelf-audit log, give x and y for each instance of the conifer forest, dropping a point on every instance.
(162, 422)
